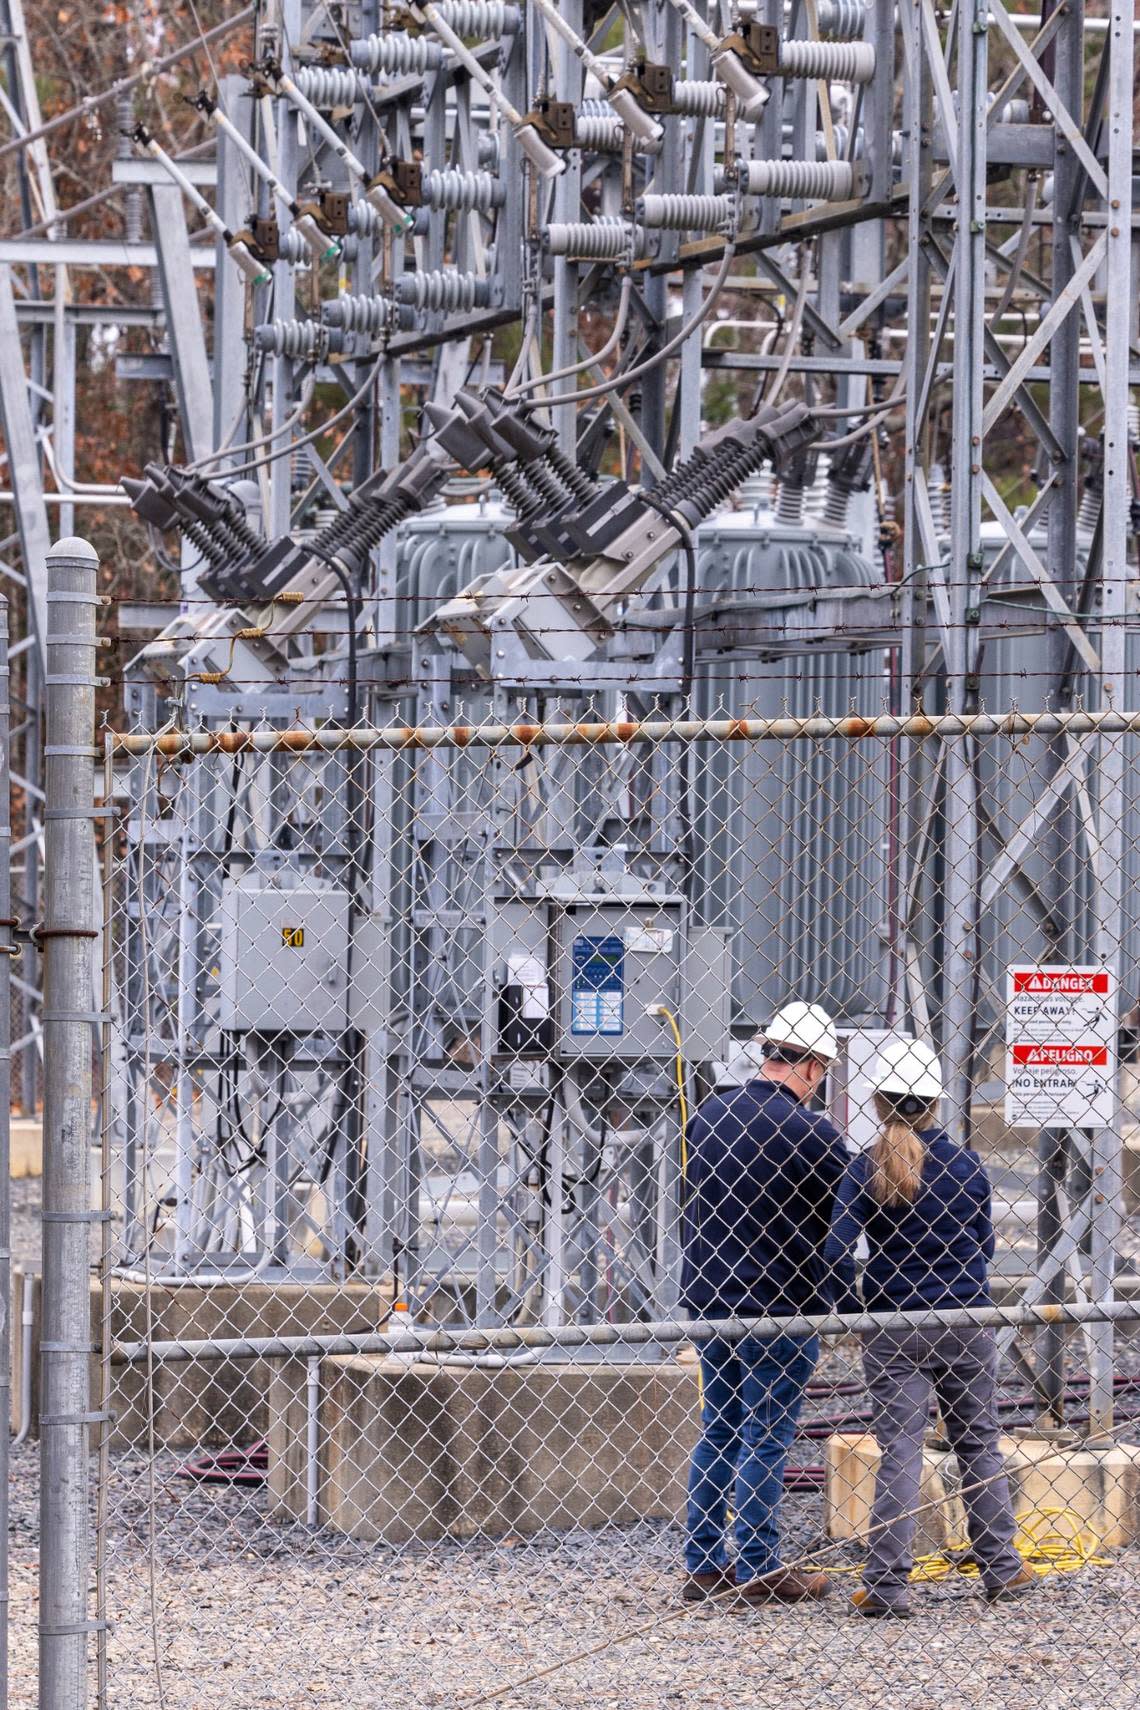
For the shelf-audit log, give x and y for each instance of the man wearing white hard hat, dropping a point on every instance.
(759, 1187)
(924, 1205)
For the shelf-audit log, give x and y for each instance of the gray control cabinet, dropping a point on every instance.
(613, 962)
(283, 960)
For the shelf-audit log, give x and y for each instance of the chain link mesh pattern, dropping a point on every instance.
(437, 1104)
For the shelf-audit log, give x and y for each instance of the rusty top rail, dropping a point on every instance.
(182, 744)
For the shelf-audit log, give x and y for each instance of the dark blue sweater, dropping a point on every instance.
(935, 1252)
(759, 1188)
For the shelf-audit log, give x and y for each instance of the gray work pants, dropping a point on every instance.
(902, 1368)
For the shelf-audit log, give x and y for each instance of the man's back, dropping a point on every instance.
(760, 1183)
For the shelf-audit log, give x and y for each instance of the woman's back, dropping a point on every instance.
(932, 1250)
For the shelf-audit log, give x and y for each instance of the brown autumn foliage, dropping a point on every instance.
(78, 48)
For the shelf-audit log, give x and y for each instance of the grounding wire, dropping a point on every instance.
(263, 439)
(618, 382)
(596, 356)
(1023, 239)
(792, 338)
(880, 412)
(839, 412)
(314, 433)
(690, 1611)
(529, 327)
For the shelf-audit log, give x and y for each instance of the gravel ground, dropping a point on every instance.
(26, 1199)
(254, 1614)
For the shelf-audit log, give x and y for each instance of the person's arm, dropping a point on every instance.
(839, 1249)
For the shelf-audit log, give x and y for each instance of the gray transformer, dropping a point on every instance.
(439, 551)
(801, 887)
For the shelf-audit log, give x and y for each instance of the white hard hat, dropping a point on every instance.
(907, 1068)
(803, 1027)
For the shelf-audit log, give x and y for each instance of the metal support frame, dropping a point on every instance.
(69, 933)
(963, 371)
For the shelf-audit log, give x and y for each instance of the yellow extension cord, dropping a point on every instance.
(1049, 1540)
(679, 1076)
(1040, 1542)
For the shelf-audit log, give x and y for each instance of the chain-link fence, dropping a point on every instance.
(481, 1179)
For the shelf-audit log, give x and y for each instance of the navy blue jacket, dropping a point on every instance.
(759, 1188)
(935, 1252)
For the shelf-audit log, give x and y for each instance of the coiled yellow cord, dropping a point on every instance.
(1049, 1540)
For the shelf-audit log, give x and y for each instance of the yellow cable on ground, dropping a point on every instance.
(1049, 1540)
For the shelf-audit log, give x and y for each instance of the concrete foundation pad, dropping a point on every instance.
(420, 1451)
(26, 1147)
(1099, 1487)
(208, 1402)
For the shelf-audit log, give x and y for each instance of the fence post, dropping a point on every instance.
(68, 936)
(5, 1122)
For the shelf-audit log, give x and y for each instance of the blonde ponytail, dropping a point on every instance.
(897, 1156)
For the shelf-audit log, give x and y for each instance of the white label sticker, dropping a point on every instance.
(649, 940)
(529, 972)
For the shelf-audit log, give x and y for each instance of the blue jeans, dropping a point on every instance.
(753, 1392)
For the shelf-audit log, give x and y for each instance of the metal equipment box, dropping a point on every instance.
(614, 962)
(283, 961)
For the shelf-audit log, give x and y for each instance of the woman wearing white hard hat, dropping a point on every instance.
(924, 1205)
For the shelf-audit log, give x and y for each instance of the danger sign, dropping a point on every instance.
(1060, 1039)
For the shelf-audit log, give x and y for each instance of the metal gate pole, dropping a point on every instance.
(1107, 1185)
(68, 936)
(5, 1121)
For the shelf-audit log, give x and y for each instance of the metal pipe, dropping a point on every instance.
(398, 218)
(246, 261)
(330, 740)
(111, 496)
(634, 1334)
(323, 247)
(312, 1438)
(1106, 1188)
(27, 1330)
(68, 933)
(5, 1138)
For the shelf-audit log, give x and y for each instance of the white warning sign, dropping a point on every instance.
(1060, 1047)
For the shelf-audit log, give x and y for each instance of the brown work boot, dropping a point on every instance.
(864, 1602)
(699, 1586)
(1023, 1580)
(784, 1585)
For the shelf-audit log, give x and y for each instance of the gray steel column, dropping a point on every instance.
(964, 573)
(68, 931)
(918, 160)
(229, 352)
(1054, 1150)
(568, 82)
(184, 331)
(1120, 314)
(5, 1122)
